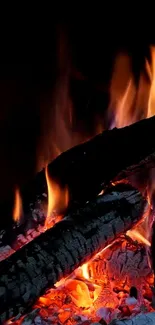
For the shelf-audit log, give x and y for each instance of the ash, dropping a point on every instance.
(116, 286)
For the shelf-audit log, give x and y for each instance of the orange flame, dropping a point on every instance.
(17, 211)
(127, 98)
(122, 91)
(134, 234)
(151, 73)
(79, 292)
(57, 197)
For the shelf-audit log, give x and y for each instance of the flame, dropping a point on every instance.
(123, 111)
(130, 102)
(57, 197)
(85, 271)
(151, 73)
(134, 234)
(122, 92)
(150, 68)
(57, 150)
(79, 292)
(17, 210)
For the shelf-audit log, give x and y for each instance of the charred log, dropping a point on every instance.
(125, 263)
(26, 274)
(87, 168)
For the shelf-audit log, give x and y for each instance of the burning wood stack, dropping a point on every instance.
(83, 263)
(88, 226)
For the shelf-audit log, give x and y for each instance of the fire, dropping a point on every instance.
(79, 292)
(17, 210)
(57, 150)
(90, 284)
(134, 234)
(151, 102)
(57, 197)
(122, 92)
(127, 97)
(85, 271)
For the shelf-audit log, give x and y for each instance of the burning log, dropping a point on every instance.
(120, 264)
(26, 274)
(143, 319)
(87, 168)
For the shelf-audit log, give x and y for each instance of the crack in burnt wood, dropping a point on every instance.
(31, 270)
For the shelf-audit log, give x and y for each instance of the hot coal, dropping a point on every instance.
(85, 298)
(71, 242)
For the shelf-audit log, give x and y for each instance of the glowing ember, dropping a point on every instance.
(17, 211)
(112, 285)
(79, 293)
(85, 272)
(101, 288)
(134, 234)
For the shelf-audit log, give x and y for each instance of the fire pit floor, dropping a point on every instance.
(115, 285)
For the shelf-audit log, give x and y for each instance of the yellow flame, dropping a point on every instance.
(85, 272)
(57, 197)
(17, 210)
(134, 234)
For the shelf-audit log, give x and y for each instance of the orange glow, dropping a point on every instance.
(57, 150)
(130, 102)
(101, 193)
(61, 282)
(151, 73)
(91, 285)
(134, 234)
(123, 110)
(85, 272)
(122, 92)
(57, 197)
(79, 292)
(17, 211)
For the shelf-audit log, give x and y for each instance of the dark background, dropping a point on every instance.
(30, 63)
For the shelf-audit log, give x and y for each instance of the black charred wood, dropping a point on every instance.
(87, 168)
(26, 274)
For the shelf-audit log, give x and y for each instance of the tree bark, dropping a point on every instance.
(87, 168)
(26, 274)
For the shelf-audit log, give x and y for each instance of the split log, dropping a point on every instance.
(26, 274)
(142, 319)
(87, 168)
